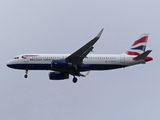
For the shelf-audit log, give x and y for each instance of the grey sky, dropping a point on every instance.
(59, 26)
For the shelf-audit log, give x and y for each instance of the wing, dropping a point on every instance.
(77, 57)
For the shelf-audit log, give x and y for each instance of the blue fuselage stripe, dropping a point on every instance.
(84, 67)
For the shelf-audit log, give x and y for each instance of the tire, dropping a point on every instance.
(74, 80)
(25, 76)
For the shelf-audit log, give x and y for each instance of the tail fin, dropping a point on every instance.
(139, 46)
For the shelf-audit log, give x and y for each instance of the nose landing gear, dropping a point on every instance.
(26, 75)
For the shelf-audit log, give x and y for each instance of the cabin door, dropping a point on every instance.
(122, 58)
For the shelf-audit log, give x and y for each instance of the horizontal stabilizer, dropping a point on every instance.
(143, 55)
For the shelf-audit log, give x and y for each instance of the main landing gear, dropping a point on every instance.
(26, 75)
(74, 79)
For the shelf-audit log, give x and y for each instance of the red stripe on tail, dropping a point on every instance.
(132, 53)
(143, 39)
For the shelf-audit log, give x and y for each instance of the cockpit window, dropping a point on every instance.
(16, 58)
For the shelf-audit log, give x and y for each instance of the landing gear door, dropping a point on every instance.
(122, 58)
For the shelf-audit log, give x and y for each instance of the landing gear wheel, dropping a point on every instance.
(74, 80)
(25, 76)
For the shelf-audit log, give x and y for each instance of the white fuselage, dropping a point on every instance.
(95, 61)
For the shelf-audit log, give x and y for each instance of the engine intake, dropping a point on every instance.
(58, 76)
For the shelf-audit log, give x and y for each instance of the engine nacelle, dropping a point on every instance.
(58, 76)
(58, 64)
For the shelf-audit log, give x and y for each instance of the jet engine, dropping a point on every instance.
(58, 76)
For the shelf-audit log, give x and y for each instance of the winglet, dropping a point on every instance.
(99, 34)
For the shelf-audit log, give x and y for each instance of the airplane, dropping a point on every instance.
(63, 65)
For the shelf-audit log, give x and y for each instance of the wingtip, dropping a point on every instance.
(99, 34)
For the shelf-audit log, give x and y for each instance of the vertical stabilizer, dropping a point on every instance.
(139, 46)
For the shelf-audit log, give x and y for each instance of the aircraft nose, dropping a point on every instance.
(9, 63)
